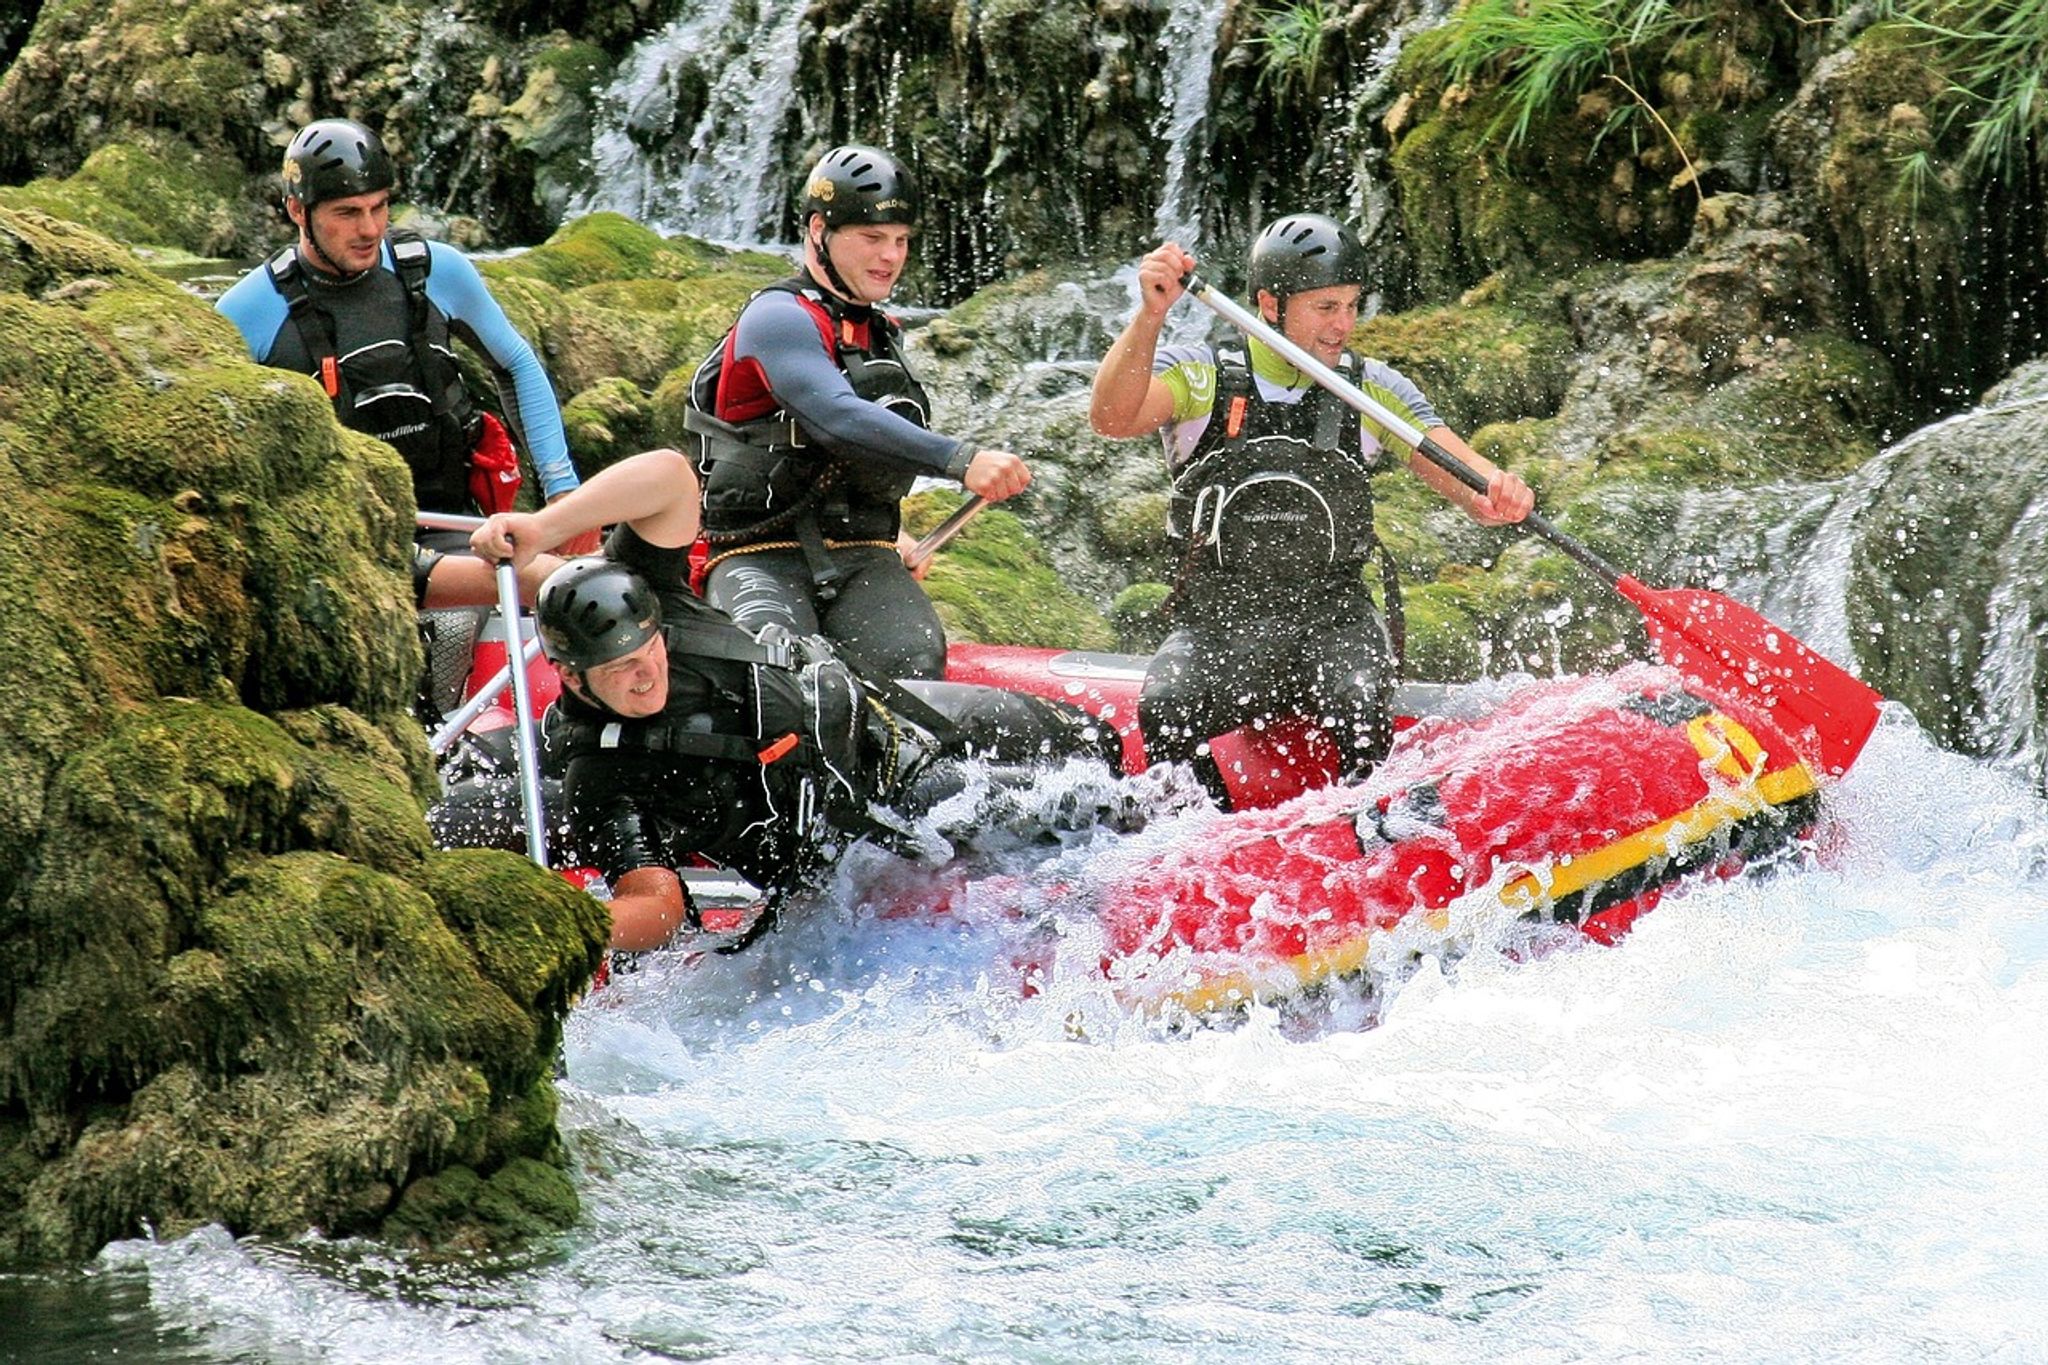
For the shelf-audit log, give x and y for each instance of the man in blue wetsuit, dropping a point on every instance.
(1272, 502)
(814, 430)
(371, 315)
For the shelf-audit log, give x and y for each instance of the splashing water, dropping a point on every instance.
(1790, 1117)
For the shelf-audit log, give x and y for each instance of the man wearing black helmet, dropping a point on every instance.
(814, 430)
(1272, 503)
(370, 314)
(685, 736)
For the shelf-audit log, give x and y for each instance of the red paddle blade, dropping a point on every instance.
(1727, 647)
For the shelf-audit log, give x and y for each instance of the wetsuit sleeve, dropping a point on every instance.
(660, 565)
(1189, 373)
(1396, 392)
(611, 818)
(523, 388)
(777, 333)
(257, 310)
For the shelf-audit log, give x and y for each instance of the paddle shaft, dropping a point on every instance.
(936, 538)
(522, 711)
(451, 730)
(1235, 313)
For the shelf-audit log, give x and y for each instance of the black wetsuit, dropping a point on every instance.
(766, 759)
(819, 431)
(1273, 507)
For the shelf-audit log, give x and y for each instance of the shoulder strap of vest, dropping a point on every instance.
(315, 328)
(414, 260)
(1236, 388)
(714, 640)
(1331, 410)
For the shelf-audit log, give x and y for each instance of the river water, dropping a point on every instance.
(1792, 1117)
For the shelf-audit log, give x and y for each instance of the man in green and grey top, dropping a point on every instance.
(1272, 501)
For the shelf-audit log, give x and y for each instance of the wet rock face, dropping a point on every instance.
(1950, 559)
(240, 987)
(1027, 124)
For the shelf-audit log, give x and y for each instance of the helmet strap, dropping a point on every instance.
(309, 242)
(821, 246)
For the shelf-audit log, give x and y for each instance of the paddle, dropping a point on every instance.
(522, 711)
(1714, 640)
(936, 538)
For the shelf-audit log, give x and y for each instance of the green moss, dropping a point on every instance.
(1443, 630)
(1481, 364)
(1134, 525)
(993, 583)
(611, 246)
(1469, 217)
(155, 190)
(536, 937)
(607, 422)
(1138, 617)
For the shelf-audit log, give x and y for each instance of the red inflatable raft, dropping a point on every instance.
(1577, 800)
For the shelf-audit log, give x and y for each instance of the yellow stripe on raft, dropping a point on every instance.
(1724, 743)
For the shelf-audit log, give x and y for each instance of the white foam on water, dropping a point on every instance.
(1793, 1116)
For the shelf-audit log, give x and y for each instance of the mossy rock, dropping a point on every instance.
(1468, 216)
(239, 985)
(993, 583)
(607, 422)
(1138, 616)
(154, 191)
(1477, 364)
(609, 246)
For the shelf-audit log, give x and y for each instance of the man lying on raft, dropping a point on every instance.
(680, 735)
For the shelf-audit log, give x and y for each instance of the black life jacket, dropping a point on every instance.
(782, 741)
(1279, 492)
(401, 386)
(765, 476)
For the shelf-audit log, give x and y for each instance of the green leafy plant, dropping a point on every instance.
(1543, 55)
(1993, 51)
(1289, 41)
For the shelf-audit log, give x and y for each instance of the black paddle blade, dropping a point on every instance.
(1728, 647)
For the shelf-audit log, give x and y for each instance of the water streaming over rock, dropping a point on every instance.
(1188, 54)
(687, 132)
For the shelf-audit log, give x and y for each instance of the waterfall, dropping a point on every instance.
(1188, 49)
(729, 72)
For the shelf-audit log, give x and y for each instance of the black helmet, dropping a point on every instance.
(591, 611)
(1305, 251)
(333, 159)
(855, 184)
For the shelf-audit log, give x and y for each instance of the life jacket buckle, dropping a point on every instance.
(781, 748)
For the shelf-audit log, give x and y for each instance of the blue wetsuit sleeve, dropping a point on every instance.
(531, 411)
(257, 310)
(777, 333)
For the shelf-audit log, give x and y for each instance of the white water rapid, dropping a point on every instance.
(1792, 1117)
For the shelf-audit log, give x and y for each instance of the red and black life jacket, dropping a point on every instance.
(765, 474)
